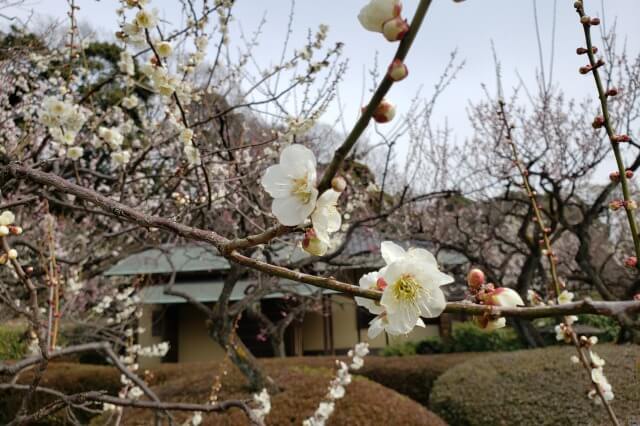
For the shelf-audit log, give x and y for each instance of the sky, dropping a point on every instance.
(470, 27)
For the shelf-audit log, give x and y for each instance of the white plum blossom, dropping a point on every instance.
(7, 218)
(111, 136)
(326, 217)
(146, 19)
(121, 158)
(291, 183)
(371, 281)
(164, 49)
(377, 12)
(75, 152)
(411, 288)
(263, 404)
(193, 154)
(130, 102)
(565, 297)
(126, 64)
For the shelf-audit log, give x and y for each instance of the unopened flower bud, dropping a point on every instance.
(314, 245)
(3, 258)
(15, 230)
(395, 29)
(595, 21)
(475, 278)
(598, 122)
(585, 69)
(614, 177)
(12, 254)
(503, 296)
(4, 231)
(628, 174)
(581, 50)
(621, 138)
(630, 205)
(384, 112)
(585, 20)
(577, 4)
(631, 262)
(338, 184)
(636, 297)
(398, 70)
(488, 324)
(612, 92)
(616, 205)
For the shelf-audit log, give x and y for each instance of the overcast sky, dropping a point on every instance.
(469, 27)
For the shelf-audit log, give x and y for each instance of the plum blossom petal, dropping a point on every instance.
(291, 183)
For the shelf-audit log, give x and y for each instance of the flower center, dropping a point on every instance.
(406, 288)
(301, 190)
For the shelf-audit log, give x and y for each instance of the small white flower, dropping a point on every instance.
(164, 49)
(371, 281)
(336, 392)
(186, 136)
(291, 183)
(130, 102)
(326, 217)
(413, 287)
(377, 12)
(75, 152)
(193, 154)
(565, 297)
(7, 218)
(121, 158)
(575, 359)
(146, 19)
(126, 64)
(196, 419)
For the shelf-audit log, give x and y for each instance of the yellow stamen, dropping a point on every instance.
(301, 190)
(406, 288)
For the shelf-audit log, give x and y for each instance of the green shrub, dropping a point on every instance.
(466, 337)
(12, 342)
(609, 326)
(535, 387)
(401, 349)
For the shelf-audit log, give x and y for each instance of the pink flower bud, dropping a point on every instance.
(598, 122)
(338, 184)
(585, 69)
(488, 324)
(581, 50)
(631, 262)
(475, 278)
(621, 138)
(395, 29)
(612, 92)
(628, 174)
(614, 177)
(385, 111)
(595, 21)
(398, 70)
(616, 205)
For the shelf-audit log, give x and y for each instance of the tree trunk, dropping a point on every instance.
(527, 333)
(277, 343)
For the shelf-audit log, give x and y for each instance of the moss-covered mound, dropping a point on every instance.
(536, 387)
(302, 388)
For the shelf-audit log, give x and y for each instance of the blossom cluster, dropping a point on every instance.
(488, 294)
(592, 361)
(292, 184)
(262, 401)
(7, 227)
(410, 284)
(64, 120)
(337, 385)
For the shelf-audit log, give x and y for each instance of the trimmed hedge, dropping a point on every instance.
(64, 377)
(536, 387)
(302, 385)
(466, 337)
